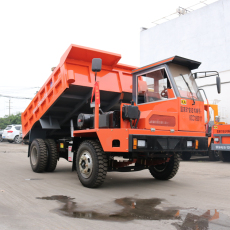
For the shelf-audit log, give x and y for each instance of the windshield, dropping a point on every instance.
(182, 75)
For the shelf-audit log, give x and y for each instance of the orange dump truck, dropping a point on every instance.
(144, 116)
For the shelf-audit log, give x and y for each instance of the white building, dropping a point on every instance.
(202, 35)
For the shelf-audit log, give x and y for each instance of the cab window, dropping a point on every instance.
(154, 86)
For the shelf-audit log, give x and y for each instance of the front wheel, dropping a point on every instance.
(225, 156)
(91, 164)
(213, 155)
(166, 170)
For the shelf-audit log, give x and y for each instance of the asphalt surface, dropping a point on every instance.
(196, 198)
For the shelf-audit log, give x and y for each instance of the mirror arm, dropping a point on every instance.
(208, 117)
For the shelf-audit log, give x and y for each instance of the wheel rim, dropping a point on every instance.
(160, 168)
(34, 156)
(85, 164)
(17, 140)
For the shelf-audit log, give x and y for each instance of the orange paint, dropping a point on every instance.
(191, 117)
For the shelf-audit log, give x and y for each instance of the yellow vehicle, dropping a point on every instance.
(213, 154)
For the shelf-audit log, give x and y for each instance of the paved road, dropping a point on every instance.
(198, 196)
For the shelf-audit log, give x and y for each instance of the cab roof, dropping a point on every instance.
(191, 64)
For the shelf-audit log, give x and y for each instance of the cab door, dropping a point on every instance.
(156, 101)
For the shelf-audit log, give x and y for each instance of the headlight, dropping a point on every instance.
(138, 143)
(141, 143)
(189, 143)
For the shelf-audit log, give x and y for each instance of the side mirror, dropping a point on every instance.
(96, 65)
(218, 85)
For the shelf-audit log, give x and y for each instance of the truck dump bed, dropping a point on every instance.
(67, 92)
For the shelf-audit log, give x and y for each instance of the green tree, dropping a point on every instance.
(8, 120)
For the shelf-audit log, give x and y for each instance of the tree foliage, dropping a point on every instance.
(8, 120)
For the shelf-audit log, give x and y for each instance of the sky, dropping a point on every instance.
(35, 34)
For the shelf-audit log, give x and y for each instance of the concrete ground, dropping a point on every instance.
(196, 198)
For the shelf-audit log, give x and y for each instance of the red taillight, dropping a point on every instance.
(9, 131)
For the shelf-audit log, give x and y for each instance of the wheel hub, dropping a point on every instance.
(85, 164)
(17, 140)
(161, 167)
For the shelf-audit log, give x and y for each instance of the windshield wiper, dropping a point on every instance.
(188, 88)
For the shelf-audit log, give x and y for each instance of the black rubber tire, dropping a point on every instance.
(17, 140)
(39, 146)
(99, 162)
(213, 155)
(224, 156)
(185, 156)
(52, 155)
(1, 138)
(166, 171)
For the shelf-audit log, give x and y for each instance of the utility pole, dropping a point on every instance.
(9, 107)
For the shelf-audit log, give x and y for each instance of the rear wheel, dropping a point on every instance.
(213, 155)
(91, 164)
(186, 156)
(52, 155)
(166, 170)
(0, 138)
(225, 156)
(38, 155)
(17, 139)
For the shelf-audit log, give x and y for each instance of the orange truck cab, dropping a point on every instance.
(105, 116)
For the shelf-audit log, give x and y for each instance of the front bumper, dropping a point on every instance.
(168, 144)
(220, 146)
